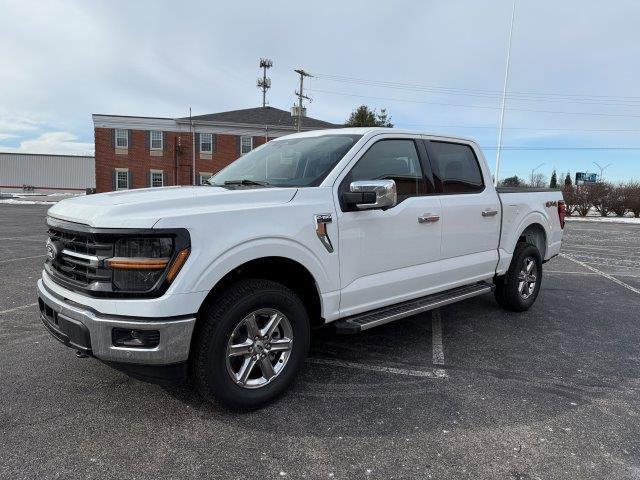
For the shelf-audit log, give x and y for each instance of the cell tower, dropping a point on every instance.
(265, 82)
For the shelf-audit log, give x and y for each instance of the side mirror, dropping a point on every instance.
(371, 194)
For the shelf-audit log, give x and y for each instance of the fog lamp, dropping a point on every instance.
(124, 337)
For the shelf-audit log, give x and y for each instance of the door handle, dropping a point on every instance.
(489, 212)
(428, 218)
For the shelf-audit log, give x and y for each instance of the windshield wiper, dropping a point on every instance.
(246, 181)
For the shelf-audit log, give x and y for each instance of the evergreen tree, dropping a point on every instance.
(363, 116)
(383, 119)
(554, 180)
(511, 182)
(567, 180)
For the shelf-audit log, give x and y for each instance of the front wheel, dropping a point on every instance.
(518, 289)
(253, 340)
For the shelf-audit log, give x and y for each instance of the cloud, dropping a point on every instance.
(18, 124)
(6, 136)
(63, 143)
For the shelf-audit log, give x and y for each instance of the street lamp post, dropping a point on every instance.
(602, 169)
(533, 171)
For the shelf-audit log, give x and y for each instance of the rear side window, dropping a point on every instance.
(458, 168)
(392, 160)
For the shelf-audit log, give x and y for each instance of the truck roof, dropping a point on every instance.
(370, 130)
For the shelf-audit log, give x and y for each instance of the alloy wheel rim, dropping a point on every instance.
(527, 278)
(259, 348)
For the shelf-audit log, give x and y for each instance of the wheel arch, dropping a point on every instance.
(286, 271)
(535, 234)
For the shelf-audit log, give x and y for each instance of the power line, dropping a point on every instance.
(550, 147)
(551, 97)
(600, 114)
(537, 129)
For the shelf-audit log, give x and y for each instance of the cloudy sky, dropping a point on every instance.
(436, 66)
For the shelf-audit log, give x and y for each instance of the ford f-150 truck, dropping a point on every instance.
(223, 283)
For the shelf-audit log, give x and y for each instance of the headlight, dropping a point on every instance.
(139, 264)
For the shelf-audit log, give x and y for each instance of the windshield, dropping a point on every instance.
(295, 162)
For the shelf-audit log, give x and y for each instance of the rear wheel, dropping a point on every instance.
(518, 289)
(254, 338)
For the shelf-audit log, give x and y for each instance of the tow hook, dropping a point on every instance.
(81, 354)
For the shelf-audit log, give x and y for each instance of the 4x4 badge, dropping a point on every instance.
(321, 230)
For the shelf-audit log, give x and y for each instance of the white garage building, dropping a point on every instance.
(47, 172)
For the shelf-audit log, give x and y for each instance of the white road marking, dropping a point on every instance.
(378, 368)
(600, 272)
(436, 342)
(558, 272)
(27, 238)
(438, 357)
(608, 250)
(15, 309)
(21, 258)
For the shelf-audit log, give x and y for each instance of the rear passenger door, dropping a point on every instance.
(470, 212)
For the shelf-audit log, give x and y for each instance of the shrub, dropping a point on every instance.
(633, 198)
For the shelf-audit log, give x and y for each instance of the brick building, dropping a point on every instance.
(138, 152)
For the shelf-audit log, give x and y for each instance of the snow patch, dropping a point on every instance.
(26, 202)
(632, 220)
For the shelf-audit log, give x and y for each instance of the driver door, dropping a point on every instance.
(391, 255)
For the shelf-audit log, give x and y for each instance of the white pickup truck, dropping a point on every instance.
(354, 227)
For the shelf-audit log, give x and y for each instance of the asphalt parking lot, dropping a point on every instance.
(469, 391)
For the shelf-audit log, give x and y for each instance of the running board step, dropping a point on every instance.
(367, 320)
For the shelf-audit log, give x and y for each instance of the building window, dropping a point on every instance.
(206, 142)
(156, 140)
(203, 177)
(122, 138)
(157, 178)
(122, 178)
(246, 144)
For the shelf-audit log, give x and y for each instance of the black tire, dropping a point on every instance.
(209, 369)
(507, 292)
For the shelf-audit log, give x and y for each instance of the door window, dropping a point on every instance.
(395, 160)
(458, 168)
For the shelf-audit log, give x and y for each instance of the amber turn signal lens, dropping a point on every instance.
(177, 264)
(124, 263)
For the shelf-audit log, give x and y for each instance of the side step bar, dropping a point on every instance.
(365, 321)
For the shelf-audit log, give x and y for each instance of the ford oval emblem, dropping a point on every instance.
(52, 251)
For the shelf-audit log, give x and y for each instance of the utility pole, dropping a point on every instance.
(265, 82)
(300, 94)
(504, 97)
(602, 169)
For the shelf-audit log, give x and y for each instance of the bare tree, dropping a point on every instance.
(538, 180)
(582, 199)
(619, 199)
(570, 199)
(601, 195)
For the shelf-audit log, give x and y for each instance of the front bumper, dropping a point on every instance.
(81, 328)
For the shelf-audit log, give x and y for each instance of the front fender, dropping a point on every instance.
(255, 249)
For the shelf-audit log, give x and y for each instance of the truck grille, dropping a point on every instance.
(78, 259)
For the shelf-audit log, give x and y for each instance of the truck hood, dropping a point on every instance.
(142, 208)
